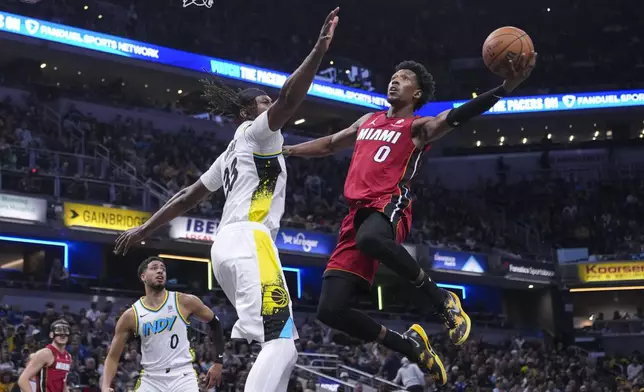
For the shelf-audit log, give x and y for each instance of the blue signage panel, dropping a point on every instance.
(294, 240)
(106, 43)
(551, 103)
(443, 259)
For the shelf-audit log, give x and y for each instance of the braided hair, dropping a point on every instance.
(224, 101)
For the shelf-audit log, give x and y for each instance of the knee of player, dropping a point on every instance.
(329, 312)
(368, 242)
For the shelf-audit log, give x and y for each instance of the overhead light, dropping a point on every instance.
(379, 297)
(331, 62)
(498, 130)
(43, 65)
(531, 286)
(546, 128)
(591, 317)
(123, 84)
(571, 138)
(347, 72)
(142, 242)
(547, 9)
(569, 125)
(474, 94)
(596, 133)
(474, 132)
(57, 84)
(100, 16)
(146, 86)
(55, 68)
(524, 140)
(167, 90)
(594, 124)
(300, 121)
(502, 139)
(478, 143)
(80, 73)
(609, 133)
(550, 136)
(522, 128)
(85, 8)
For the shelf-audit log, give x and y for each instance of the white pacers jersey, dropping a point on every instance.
(252, 172)
(164, 335)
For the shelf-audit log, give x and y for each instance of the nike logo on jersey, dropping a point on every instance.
(382, 135)
(143, 315)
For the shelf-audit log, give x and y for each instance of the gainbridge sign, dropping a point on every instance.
(102, 218)
(611, 272)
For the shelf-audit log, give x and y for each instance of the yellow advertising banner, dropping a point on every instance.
(105, 218)
(611, 272)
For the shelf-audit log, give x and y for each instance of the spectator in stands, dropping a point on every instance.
(410, 376)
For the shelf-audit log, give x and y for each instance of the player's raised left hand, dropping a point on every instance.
(326, 35)
(214, 375)
(520, 70)
(127, 239)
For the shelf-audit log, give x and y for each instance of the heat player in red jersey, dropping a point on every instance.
(50, 365)
(388, 151)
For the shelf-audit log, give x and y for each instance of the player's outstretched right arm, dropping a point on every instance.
(124, 327)
(327, 145)
(39, 360)
(297, 85)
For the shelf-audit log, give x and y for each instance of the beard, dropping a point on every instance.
(156, 286)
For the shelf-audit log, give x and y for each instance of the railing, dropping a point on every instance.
(320, 362)
(323, 382)
(72, 176)
(364, 378)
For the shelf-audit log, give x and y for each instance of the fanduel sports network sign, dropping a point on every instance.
(527, 269)
(449, 260)
(301, 241)
(23, 208)
(611, 272)
(196, 229)
(54, 32)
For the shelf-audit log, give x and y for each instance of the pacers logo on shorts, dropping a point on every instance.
(274, 299)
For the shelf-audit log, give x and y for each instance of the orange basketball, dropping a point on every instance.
(503, 45)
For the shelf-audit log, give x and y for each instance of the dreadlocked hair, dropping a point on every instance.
(425, 81)
(222, 100)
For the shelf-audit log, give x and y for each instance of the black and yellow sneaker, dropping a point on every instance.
(426, 357)
(456, 320)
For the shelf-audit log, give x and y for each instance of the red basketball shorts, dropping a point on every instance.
(346, 258)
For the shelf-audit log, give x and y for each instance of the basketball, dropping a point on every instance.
(503, 45)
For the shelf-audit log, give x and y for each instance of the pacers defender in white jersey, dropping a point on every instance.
(252, 174)
(160, 320)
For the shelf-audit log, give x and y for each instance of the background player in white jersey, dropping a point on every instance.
(253, 174)
(160, 320)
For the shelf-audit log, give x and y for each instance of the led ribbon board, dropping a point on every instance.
(54, 32)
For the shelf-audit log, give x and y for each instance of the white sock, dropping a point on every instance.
(273, 366)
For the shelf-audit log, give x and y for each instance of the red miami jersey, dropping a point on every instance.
(52, 378)
(384, 161)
